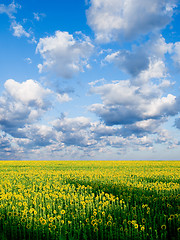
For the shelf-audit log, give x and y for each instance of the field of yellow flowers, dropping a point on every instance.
(86, 200)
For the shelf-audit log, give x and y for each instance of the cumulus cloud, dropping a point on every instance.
(117, 19)
(146, 59)
(18, 30)
(6, 147)
(124, 103)
(10, 9)
(38, 135)
(30, 93)
(143, 128)
(100, 130)
(131, 62)
(70, 124)
(21, 104)
(75, 131)
(132, 142)
(64, 54)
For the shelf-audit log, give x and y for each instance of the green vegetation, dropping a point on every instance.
(86, 200)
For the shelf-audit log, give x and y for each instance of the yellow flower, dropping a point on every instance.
(51, 219)
(93, 221)
(53, 227)
(163, 227)
(100, 220)
(136, 225)
(23, 220)
(28, 226)
(103, 213)
(142, 228)
(63, 211)
(143, 220)
(43, 221)
(109, 223)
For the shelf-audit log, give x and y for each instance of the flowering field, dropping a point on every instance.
(89, 200)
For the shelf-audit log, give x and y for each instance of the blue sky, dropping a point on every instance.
(90, 79)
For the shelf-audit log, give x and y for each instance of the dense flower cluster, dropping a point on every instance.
(89, 200)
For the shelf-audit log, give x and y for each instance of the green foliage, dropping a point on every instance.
(89, 200)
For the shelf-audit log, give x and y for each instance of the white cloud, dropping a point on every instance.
(117, 19)
(131, 62)
(63, 97)
(38, 16)
(64, 54)
(71, 124)
(18, 29)
(123, 103)
(38, 135)
(10, 9)
(21, 104)
(146, 60)
(75, 131)
(156, 69)
(29, 92)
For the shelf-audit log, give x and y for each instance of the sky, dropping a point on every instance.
(89, 80)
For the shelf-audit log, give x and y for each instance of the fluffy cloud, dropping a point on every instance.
(37, 135)
(64, 54)
(22, 103)
(75, 131)
(131, 62)
(6, 148)
(143, 128)
(146, 59)
(118, 19)
(131, 142)
(70, 124)
(100, 130)
(10, 9)
(18, 30)
(30, 93)
(124, 103)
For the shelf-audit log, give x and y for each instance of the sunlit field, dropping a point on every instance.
(89, 200)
